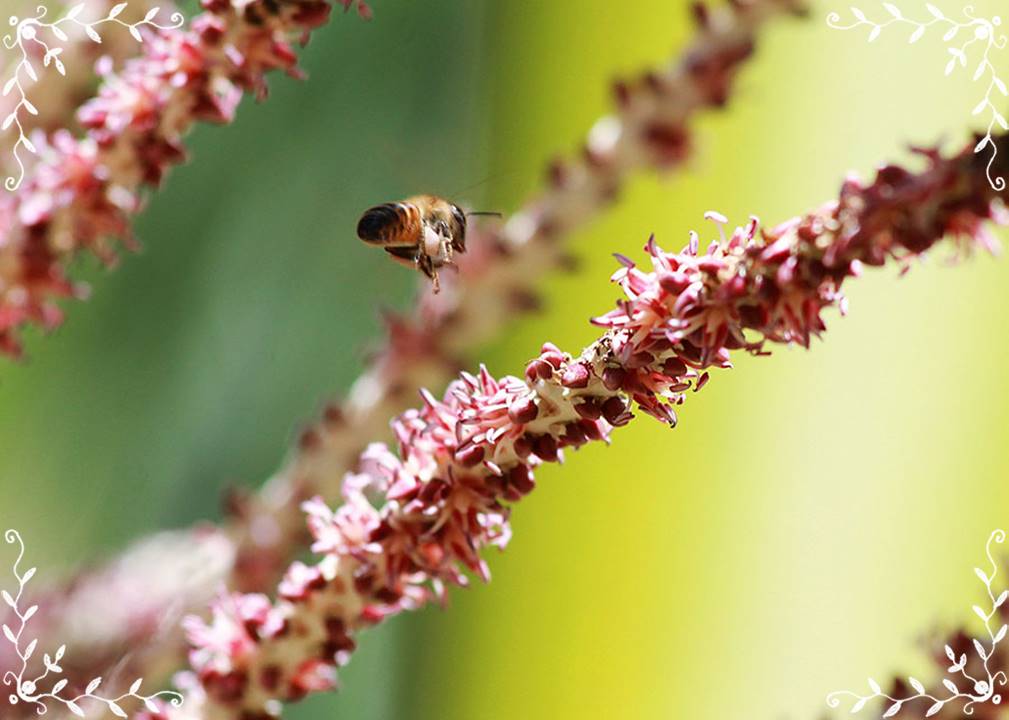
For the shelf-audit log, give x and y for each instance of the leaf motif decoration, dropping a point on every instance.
(980, 685)
(25, 682)
(25, 35)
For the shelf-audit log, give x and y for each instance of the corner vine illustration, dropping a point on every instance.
(961, 36)
(964, 687)
(36, 31)
(27, 687)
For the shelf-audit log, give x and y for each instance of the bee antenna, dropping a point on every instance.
(486, 212)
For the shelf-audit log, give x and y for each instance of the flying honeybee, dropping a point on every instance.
(422, 232)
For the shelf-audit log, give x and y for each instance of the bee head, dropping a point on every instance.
(459, 224)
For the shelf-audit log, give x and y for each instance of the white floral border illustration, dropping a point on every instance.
(27, 30)
(26, 688)
(980, 689)
(981, 30)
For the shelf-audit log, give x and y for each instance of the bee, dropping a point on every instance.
(422, 232)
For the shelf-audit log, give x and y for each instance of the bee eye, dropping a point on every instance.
(459, 217)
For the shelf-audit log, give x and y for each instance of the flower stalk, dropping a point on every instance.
(498, 276)
(414, 522)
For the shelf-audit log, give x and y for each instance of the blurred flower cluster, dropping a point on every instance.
(83, 191)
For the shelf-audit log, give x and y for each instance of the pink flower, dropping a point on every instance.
(347, 530)
(228, 640)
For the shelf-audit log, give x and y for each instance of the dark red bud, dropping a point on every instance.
(554, 358)
(538, 369)
(613, 409)
(545, 447)
(674, 367)
(521, 478)
(270, 676)
(225, 687)
(511, 494)
(736, 286)
(470, 455)
(309, 439)
(333, 414)
(591, 430)
(575, 375)
(702, 15)
(523, 447)
(336, 631)
(557, 173)
(589, 409)
(574, 435)
(613, 378)
(753, 316)
(524, 410)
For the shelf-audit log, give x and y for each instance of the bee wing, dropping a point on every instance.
(403, 255)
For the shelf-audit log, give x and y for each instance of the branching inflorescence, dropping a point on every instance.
(498, 275)
(497, 279)
(414, 522)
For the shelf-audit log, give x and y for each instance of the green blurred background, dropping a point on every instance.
(813, 515)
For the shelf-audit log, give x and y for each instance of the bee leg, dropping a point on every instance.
(426, 266)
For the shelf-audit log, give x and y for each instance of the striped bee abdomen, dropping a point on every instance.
(392, 224)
